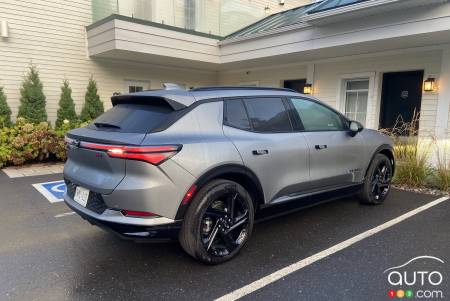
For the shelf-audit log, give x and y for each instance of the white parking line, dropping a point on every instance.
(258, 284)
(65, 214)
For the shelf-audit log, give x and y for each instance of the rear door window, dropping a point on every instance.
(235, 114)
(268, 115)
(132, 118)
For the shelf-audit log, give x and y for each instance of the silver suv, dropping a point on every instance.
(198, 164)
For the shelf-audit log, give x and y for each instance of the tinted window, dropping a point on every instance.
(235, 114)
(132, 118)
(268, 115)
(316, 117)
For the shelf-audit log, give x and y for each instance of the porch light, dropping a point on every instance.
(307, 89)
(267, 10)
(429, 85)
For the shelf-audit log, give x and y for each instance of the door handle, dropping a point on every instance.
(321, 146)
(259, 152)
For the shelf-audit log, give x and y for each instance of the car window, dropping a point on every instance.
(132, 118)
(235, 114)
(268, 115)
(316, 117)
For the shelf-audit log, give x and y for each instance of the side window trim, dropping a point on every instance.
(294, 117)
(344, 120)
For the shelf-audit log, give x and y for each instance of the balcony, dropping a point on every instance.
(215, 17)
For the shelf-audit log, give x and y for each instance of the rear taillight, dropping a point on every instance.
(154, 154)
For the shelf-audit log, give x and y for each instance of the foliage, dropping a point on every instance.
(411, 153)
(32, 100)
(27, 142)
(66, 110)
(93, 106)
(5, 111)
(442, 171)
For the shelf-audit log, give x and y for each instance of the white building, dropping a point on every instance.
(367, 58)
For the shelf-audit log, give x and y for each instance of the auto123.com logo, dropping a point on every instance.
(418, 278)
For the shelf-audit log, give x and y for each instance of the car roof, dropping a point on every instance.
(179, 98)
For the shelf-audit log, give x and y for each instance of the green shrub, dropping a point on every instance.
(66, 110)
(5, 111)
(93, 106)
(28, 142)
(412, 167)
(32, 100)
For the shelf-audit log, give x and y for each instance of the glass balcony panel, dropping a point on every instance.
(217, 17)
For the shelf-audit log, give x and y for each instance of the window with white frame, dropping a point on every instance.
(132, 86)
(356, 98)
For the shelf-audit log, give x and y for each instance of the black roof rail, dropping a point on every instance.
(214, 88)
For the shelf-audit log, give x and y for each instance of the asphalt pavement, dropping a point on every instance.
(46, 255)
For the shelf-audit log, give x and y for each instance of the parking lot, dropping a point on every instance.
(47, 253)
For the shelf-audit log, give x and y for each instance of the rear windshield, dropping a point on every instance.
(132, 118)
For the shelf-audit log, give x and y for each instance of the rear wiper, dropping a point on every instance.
(106, 125)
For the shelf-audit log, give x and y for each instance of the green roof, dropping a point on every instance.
(278, 20)
(289, 17)
(331, 4)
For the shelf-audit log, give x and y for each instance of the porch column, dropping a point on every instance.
(310, 75)
(443, 106)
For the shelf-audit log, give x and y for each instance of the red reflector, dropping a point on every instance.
(137, 213)
(189, 194)
(151, 154)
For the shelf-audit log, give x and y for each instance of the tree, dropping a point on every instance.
(66, 108)
(93, 106)
(5, 111)
(32, 100)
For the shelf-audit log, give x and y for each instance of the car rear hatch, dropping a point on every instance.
(91, 160)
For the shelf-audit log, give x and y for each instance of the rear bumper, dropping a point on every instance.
(132, 228)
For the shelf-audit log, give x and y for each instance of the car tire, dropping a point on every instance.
(210, 212)
(378, 181)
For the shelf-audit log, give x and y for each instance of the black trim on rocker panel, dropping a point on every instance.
(239, 173)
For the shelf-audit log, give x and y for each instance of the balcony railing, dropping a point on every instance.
(216, 17)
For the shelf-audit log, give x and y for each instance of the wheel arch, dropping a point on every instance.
(386, 150)
(233, 172)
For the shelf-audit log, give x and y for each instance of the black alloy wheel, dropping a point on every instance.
(225, 223)
(378, 181)
(381, 180)
(218, 223)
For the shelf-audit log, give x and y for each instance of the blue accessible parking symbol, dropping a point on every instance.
(53, 191)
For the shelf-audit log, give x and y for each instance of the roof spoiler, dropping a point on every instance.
(146, 99)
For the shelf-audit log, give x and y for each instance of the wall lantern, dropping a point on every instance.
(4, 30)
(267, 10)
(429, 85)
(307, 89)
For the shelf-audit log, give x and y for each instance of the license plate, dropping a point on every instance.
(81, 196)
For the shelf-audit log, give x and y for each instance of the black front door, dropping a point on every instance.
(400, 98)
(295, 84)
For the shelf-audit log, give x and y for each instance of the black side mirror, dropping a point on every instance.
(355, 127)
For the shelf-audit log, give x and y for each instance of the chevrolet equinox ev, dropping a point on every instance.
(198, 164)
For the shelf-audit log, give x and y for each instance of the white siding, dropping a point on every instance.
(51, 35)
(272, 77)
(328, 76)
